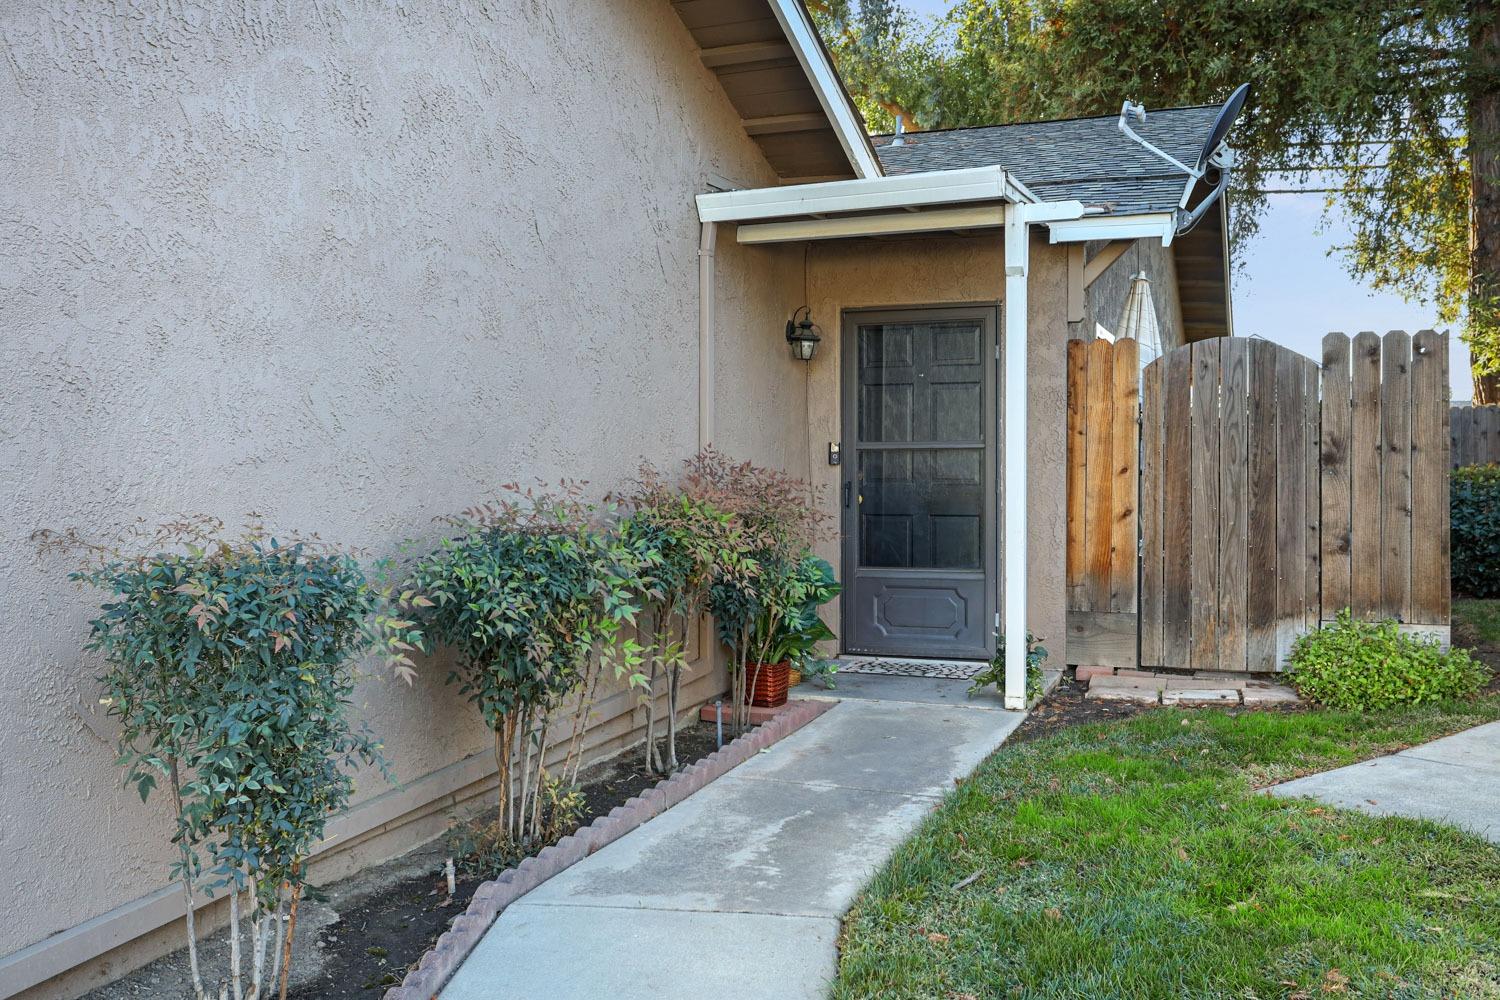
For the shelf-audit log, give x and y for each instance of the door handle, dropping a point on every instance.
(848, 491)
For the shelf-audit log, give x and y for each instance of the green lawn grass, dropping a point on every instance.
(1479, 621)
(1137, 860)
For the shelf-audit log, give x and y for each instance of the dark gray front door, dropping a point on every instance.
(919, 475)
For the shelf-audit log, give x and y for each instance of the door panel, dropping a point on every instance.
(919, 498)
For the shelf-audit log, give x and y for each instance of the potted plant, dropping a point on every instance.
(790, 638)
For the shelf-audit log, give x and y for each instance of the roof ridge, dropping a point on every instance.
(1035, 121)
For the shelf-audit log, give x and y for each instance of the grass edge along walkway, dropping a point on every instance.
(1138, 859)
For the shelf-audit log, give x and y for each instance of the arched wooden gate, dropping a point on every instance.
(1271, 492)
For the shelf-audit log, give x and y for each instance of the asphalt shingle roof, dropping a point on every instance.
(1087, 159)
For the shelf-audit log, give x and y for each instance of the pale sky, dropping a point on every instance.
(1289, 290)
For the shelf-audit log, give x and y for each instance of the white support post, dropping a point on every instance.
(1018, 221)
(707, 240)
(1013, 497)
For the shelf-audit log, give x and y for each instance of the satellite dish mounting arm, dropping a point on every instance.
(1216, 155)
(1130, 108)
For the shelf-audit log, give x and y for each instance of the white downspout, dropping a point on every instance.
(706, 243)
(1018, 221)
(1014, 493)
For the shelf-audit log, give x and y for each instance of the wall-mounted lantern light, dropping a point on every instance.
(803, 336)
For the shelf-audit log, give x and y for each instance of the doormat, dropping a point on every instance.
(955, 670)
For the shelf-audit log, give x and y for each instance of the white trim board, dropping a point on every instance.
(1157, 225)
(824, 79)
(938, 187)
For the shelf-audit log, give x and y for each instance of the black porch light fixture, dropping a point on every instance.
(803, 336)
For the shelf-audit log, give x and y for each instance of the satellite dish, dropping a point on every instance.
(1216, 135)
(1214, 154)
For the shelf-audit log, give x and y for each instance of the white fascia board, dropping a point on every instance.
(824, 78)
(1160, 225)
(938, 187)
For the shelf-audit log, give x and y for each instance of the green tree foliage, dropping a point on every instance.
(1372, 103)
(231, 668)
(1474, 511)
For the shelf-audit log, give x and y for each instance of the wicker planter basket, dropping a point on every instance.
(766, 684)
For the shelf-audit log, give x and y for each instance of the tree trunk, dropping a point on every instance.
(1484, 180)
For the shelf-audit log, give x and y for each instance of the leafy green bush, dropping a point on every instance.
(684, 543)
(994, 674)
(761, 600)
(1474, 510)
(799, 631)
(1359, 665)
(532, 592)
(231, 668)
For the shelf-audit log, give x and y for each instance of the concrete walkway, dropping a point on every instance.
(1455, 780)
(738, 891)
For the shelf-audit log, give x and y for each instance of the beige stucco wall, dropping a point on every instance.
(862, 274)
(350, 265)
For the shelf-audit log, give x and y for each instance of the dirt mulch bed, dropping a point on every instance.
(361, 939)
(1066, 706)
(380, 937)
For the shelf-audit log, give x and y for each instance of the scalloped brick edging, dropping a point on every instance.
(443, 959)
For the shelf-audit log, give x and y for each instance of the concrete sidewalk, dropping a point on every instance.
(738, 891)
(1455, 780)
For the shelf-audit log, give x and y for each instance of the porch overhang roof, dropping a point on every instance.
(933, 201)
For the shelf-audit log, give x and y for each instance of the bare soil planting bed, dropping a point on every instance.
(372, 927)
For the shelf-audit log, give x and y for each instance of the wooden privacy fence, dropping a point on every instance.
(1229, 499)
(1385, 476)
(1474, 432)
(1272, 492)
(1102, 491)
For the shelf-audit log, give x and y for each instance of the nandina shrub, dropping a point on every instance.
(231, 668)
(1474, 514)
(684, 543)
(756, 599)
(532, 593)
(1359, 665)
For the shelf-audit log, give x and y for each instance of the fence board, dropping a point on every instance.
(1364, 472)
(1077, 552)
(1312, 504)
(1290, 500)
(1125, 440)
(1099, 501)
(1461, 426)
(1429, 480)
(1103, 497)
(1177, 508)
(1395, 476)
(1334, 459)
(1260, 543)
(1474, 434)
(1205, 505)
(1234, 496)
(1152, 540)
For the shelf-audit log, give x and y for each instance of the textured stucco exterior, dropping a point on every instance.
(865, 274)
(352, 265)
(349, 265)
